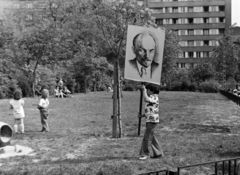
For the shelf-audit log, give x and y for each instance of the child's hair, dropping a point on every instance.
(17, 95)
(153, 87)
(45, 93)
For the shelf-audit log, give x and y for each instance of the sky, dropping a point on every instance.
(236, 12)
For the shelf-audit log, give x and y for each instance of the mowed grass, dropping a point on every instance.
(195, 128)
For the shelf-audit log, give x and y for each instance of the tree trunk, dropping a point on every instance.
(85, 85)
(115, 103)
(119, 100)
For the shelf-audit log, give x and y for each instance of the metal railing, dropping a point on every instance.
(221, 167)
(231, 96)
(225, 167)
(160, 172)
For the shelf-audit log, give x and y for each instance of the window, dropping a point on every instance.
(222, 20)
(205, 31)
(198, 54)
(221, 8)
(183, 65)
(205, 54)
(159, 21)
(175, 9)
(205, 20)
(206, 43)
(190, 43)
(190, 20)
(190, 54)
(221, 31)
(198, 32)
(206, 9)
(197, 43)
(190, 9)
(190, 32)
(175, 20)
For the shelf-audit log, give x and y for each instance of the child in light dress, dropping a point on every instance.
(16, 104)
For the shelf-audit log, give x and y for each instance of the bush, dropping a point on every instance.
(209, 87)
(128, 87)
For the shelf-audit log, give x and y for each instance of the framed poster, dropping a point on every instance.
(144, 54)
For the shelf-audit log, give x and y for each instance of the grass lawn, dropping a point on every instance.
(195, 127)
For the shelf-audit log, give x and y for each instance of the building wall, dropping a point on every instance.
(198, 22)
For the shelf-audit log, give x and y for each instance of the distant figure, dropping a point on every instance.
(17, 104)
(109, 89)
(43, 108)
(60, 83)
(66, 92)
(58, 93)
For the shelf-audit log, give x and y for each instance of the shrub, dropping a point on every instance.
(209, 86)
(175, 86)
(128, 87)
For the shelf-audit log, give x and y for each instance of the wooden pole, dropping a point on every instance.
(119, 100)
(115, 116)
(140, 112)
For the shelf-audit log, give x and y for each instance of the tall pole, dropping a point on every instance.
(115, 102)
(119, 99)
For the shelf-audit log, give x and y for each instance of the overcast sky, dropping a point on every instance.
(236, 12)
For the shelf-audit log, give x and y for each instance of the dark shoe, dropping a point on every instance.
(157, 157)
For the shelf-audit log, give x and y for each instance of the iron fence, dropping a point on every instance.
(231, 96)
(221, 167)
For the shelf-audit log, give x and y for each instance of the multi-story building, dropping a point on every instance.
(198, 22)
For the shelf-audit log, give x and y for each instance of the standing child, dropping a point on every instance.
(18, 112)
(150, 96)
(43, 108)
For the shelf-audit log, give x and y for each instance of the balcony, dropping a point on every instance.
(185, 3)
(195, 26)
(189, 15)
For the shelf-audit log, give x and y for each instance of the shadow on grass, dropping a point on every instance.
(230, 154)
(90, 160)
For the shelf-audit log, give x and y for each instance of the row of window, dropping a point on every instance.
(186, 65)
(191, 43)
(190, 20)
(194, 54)
(189, 9)
(31, 5)
(180, 0)
(200, 32)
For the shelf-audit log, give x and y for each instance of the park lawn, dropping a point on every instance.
(195, 128)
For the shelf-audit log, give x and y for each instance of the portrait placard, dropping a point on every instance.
(144, 54)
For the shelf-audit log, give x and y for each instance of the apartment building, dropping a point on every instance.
(198, 22)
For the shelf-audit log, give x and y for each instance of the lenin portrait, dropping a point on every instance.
(144, 54)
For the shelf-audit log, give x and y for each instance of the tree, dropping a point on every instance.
(225, 57)
(202, 72)
(112, 20)
(170, 55)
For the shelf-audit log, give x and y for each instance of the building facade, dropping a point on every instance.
(198, 22)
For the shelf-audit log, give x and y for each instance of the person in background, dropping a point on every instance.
(150, 96)
(43, 108)
(16, 104)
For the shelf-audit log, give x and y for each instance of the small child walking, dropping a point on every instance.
(43, 108)
(150, 96)
(16, 104)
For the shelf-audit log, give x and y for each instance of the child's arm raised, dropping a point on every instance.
(145, 96)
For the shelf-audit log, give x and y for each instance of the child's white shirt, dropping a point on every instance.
(18, 111)
(44, 102)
